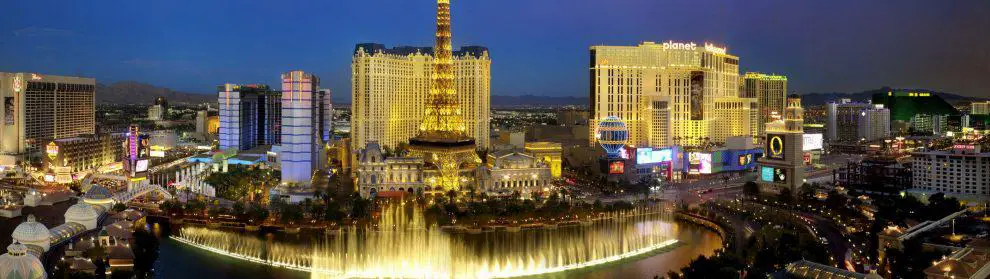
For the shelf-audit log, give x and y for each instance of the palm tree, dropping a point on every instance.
(472, 192)
(452, 195)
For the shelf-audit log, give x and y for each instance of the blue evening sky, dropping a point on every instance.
(538, 46)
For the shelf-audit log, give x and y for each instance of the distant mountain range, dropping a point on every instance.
(524, 100)
(132, 92)
(823, 98)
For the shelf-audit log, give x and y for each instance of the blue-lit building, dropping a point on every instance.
(250, 115)
(305, 114)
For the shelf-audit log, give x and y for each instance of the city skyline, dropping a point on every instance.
(823, 47)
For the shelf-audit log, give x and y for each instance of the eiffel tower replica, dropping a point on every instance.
(442, 141)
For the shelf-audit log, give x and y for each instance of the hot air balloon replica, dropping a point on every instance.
(612, 134)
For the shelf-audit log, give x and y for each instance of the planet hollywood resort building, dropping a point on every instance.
(670, 93)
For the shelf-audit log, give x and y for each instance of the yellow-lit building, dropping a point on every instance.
(509, 172)
(736, 117)
(652, 85)
(549, 153)
(980, 108)
(69, 159)
(390, 85)
(771, 93)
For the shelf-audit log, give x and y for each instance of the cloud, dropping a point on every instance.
(35, 31)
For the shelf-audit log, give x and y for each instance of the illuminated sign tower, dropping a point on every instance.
(442, 141)
(136, 151)
(782, 165)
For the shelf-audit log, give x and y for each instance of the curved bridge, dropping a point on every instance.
(140, 190)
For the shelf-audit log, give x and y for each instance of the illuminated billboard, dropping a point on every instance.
(617, 167)
(697, 97)
(142, 166)
(771, 174)
(745, 159)
(51, 150)
(766, 174)
(650, 155)
(705, 161)
(775, 147)
(157, 151)
(699, 162)
(812, 142)
(779, 175)
(10, 110)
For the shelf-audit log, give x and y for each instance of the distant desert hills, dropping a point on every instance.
(822, 98)
(133, 92)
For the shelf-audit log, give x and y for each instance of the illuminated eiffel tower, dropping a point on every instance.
(442, 141)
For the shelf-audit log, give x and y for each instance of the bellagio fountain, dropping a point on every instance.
(404, 246)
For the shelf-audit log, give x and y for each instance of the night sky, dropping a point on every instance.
(538, 46)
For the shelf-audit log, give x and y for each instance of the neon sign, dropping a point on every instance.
(714, 49)
(18, 84)
(775, 147)
(617, 167)
(51, 150)
(679, 46)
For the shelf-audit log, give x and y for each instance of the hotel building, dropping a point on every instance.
(980, 108)
(376, 173)
(676, 84)
(962, 172)
(68, 159)
(771, 93)
(37, 108)
(390, 85)
(509, 172)
(250, 115)
(304, 110)
(158, 111)
(743, 113)
(849, 122)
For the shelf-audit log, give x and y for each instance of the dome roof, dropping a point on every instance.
(97, 192)
(31, 231)
(18, 264)
(81, 211)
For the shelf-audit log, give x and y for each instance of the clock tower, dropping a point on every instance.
(782, 165)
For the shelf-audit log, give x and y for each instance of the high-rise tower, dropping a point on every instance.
(442, 141)
(668, 93)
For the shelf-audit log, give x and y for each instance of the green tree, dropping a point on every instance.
(807, 192)
(145, 253)
(912, 261)
(257, 213)
(785, 195)
(751, 189)
(836, 200)
(238, 208)
(360, 208)
(290, 213)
